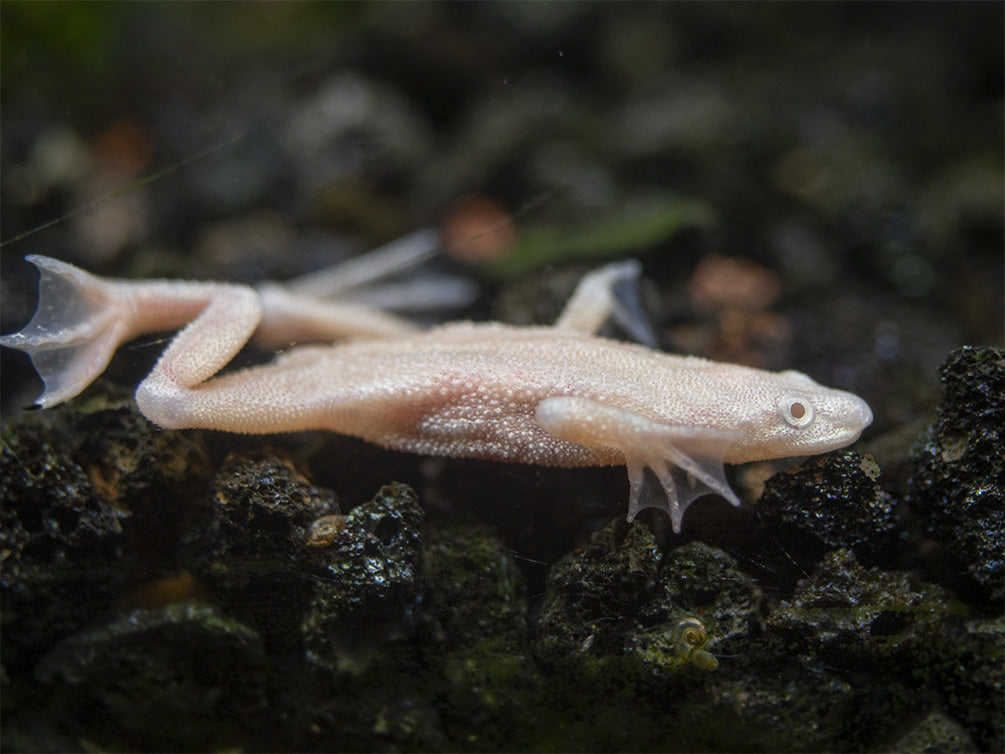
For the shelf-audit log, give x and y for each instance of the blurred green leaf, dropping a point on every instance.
(616, 234)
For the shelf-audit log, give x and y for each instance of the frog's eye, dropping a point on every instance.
(796, 409)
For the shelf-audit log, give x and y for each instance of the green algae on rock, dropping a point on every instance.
(847, 620)
(178, 677)
(622, 598)
(475, 587)
(860, 613)
(935, 732)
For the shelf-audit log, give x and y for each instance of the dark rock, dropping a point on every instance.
(130, 459)
(62, 544)
(826, 503)
(159, 476)
(87, 487)
(263, 511)
(251, 548)
(958, 485)
(369, 588)
(364, 678)
(936, 733)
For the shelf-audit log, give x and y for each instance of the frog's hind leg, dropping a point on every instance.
(388, 260)
(339, 301)
(687, 461)
(290, 318)
(82, 319)
(609, 293)
(368, 280)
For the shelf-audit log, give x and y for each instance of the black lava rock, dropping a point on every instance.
(959, 468)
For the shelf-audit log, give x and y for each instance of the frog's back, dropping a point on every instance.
(504, 365)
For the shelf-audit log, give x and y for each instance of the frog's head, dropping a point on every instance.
(796, 416)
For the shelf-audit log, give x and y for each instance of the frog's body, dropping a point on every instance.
(558, 395)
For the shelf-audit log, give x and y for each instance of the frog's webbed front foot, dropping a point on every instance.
(687, 461)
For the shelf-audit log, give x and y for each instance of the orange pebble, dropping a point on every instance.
(477, 228)
(180, 587)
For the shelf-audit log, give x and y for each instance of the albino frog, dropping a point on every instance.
(556, 396)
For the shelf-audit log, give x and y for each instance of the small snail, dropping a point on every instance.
(690, 637)
(323, 530)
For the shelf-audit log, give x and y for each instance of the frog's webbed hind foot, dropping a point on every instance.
(609, 293)
(687, 461)
(82, 319)
(74, 332)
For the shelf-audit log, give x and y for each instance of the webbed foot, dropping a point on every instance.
(687, 461)
(74, 332)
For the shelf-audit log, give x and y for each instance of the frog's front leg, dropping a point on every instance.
(688, 461)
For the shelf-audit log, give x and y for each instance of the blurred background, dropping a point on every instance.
(815, 186)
